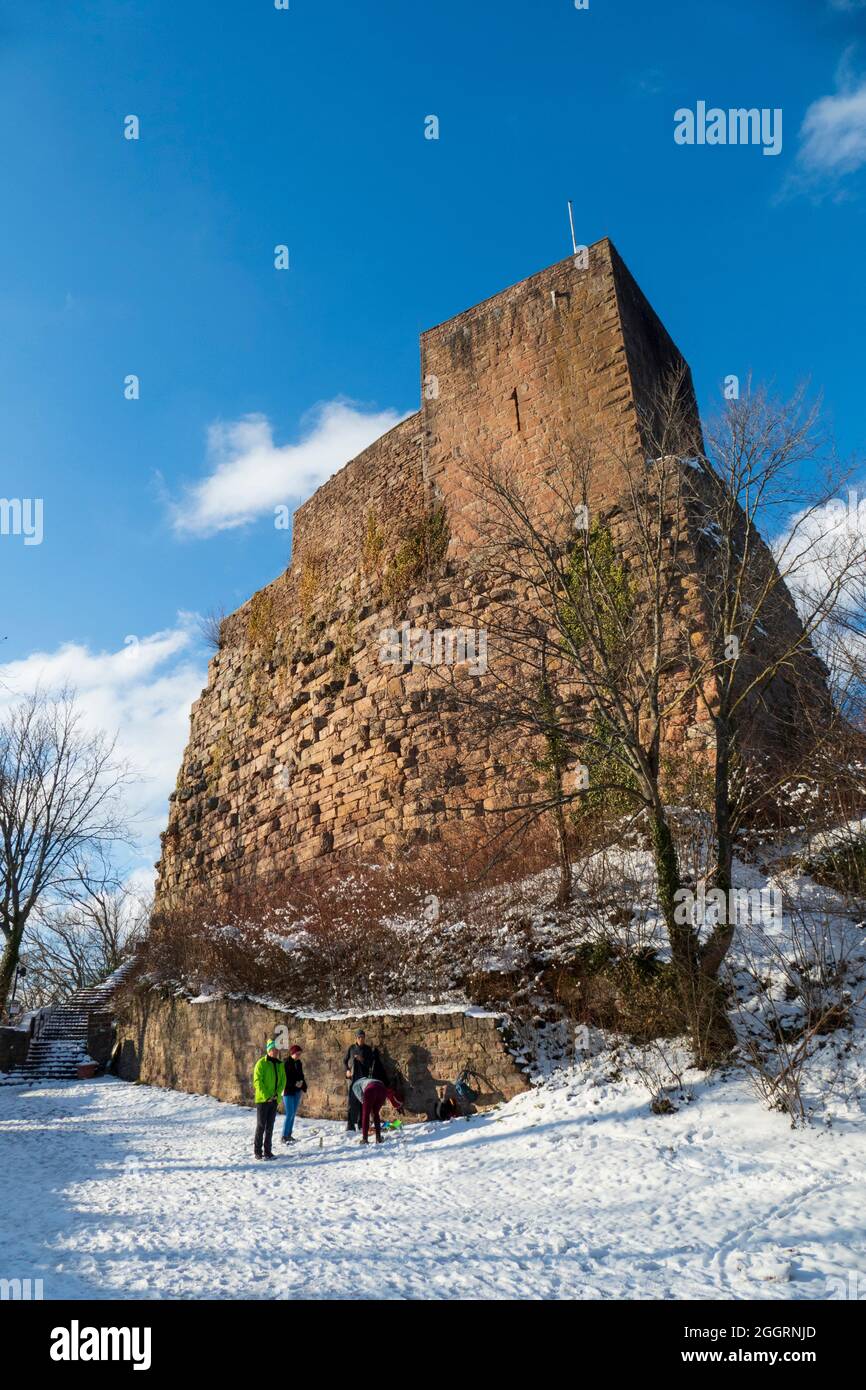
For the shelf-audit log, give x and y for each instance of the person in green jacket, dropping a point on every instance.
(269, 1082)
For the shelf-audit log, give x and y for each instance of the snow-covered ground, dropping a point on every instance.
(573, 1190)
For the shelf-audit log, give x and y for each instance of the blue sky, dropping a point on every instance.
(306, 127)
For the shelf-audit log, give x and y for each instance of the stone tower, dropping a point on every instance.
(304, 744)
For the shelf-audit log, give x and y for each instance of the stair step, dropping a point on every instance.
(61, 1045)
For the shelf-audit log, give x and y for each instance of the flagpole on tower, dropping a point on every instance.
(571, 224)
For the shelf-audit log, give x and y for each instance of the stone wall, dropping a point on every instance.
(14, 1043)
(522, 377)
(210, 1048)
(303, 744)
(650, 353)
(383, 483)
(305, 747)
(100, 1035)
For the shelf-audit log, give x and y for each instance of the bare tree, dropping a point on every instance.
(82, 936)
(764, 690)
(665, 608)
(59, 805)
(586, 631)
(796, 989)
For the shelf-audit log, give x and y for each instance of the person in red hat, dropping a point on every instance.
(296, 1085)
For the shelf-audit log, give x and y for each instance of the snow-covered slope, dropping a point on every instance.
(572, 1190)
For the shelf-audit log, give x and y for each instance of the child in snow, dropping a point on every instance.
(372, 1095)
(446, 1107)
(296, 1085)
(269, 1082)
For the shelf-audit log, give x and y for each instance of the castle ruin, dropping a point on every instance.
(305, 745)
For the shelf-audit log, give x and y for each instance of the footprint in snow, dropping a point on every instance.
(771, 1269)
(768, 1266)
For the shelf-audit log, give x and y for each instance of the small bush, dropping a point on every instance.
(842, 867)
(360, 940)
(419, 555)
(632, 992)
(262, 621)
(372, 545)
(312, 570)
(212, 628)
(409, 930)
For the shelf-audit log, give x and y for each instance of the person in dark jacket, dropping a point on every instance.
(372, 1095)
(296, 1085)
(269, 1079)
(358, 1063)
(377, 1067)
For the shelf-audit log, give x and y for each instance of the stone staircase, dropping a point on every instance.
(59, 1043)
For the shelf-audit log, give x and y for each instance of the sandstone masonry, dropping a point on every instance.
(304, 747)
(210, 1048)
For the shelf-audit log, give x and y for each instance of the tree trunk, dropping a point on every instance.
(8, 963)
(555, 758)
(722, 794)
(668, 875)
(719, 941)
(700, 995)
(563, 895)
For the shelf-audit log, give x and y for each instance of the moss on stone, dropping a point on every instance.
(419, 556)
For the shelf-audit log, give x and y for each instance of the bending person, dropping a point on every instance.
(372, 1095)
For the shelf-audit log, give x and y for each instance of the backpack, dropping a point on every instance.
(463, 1089)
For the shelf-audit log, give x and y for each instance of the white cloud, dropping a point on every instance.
(249, 475)
(821, 551)
(817, 544)
(833, 133)
(141, 693)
